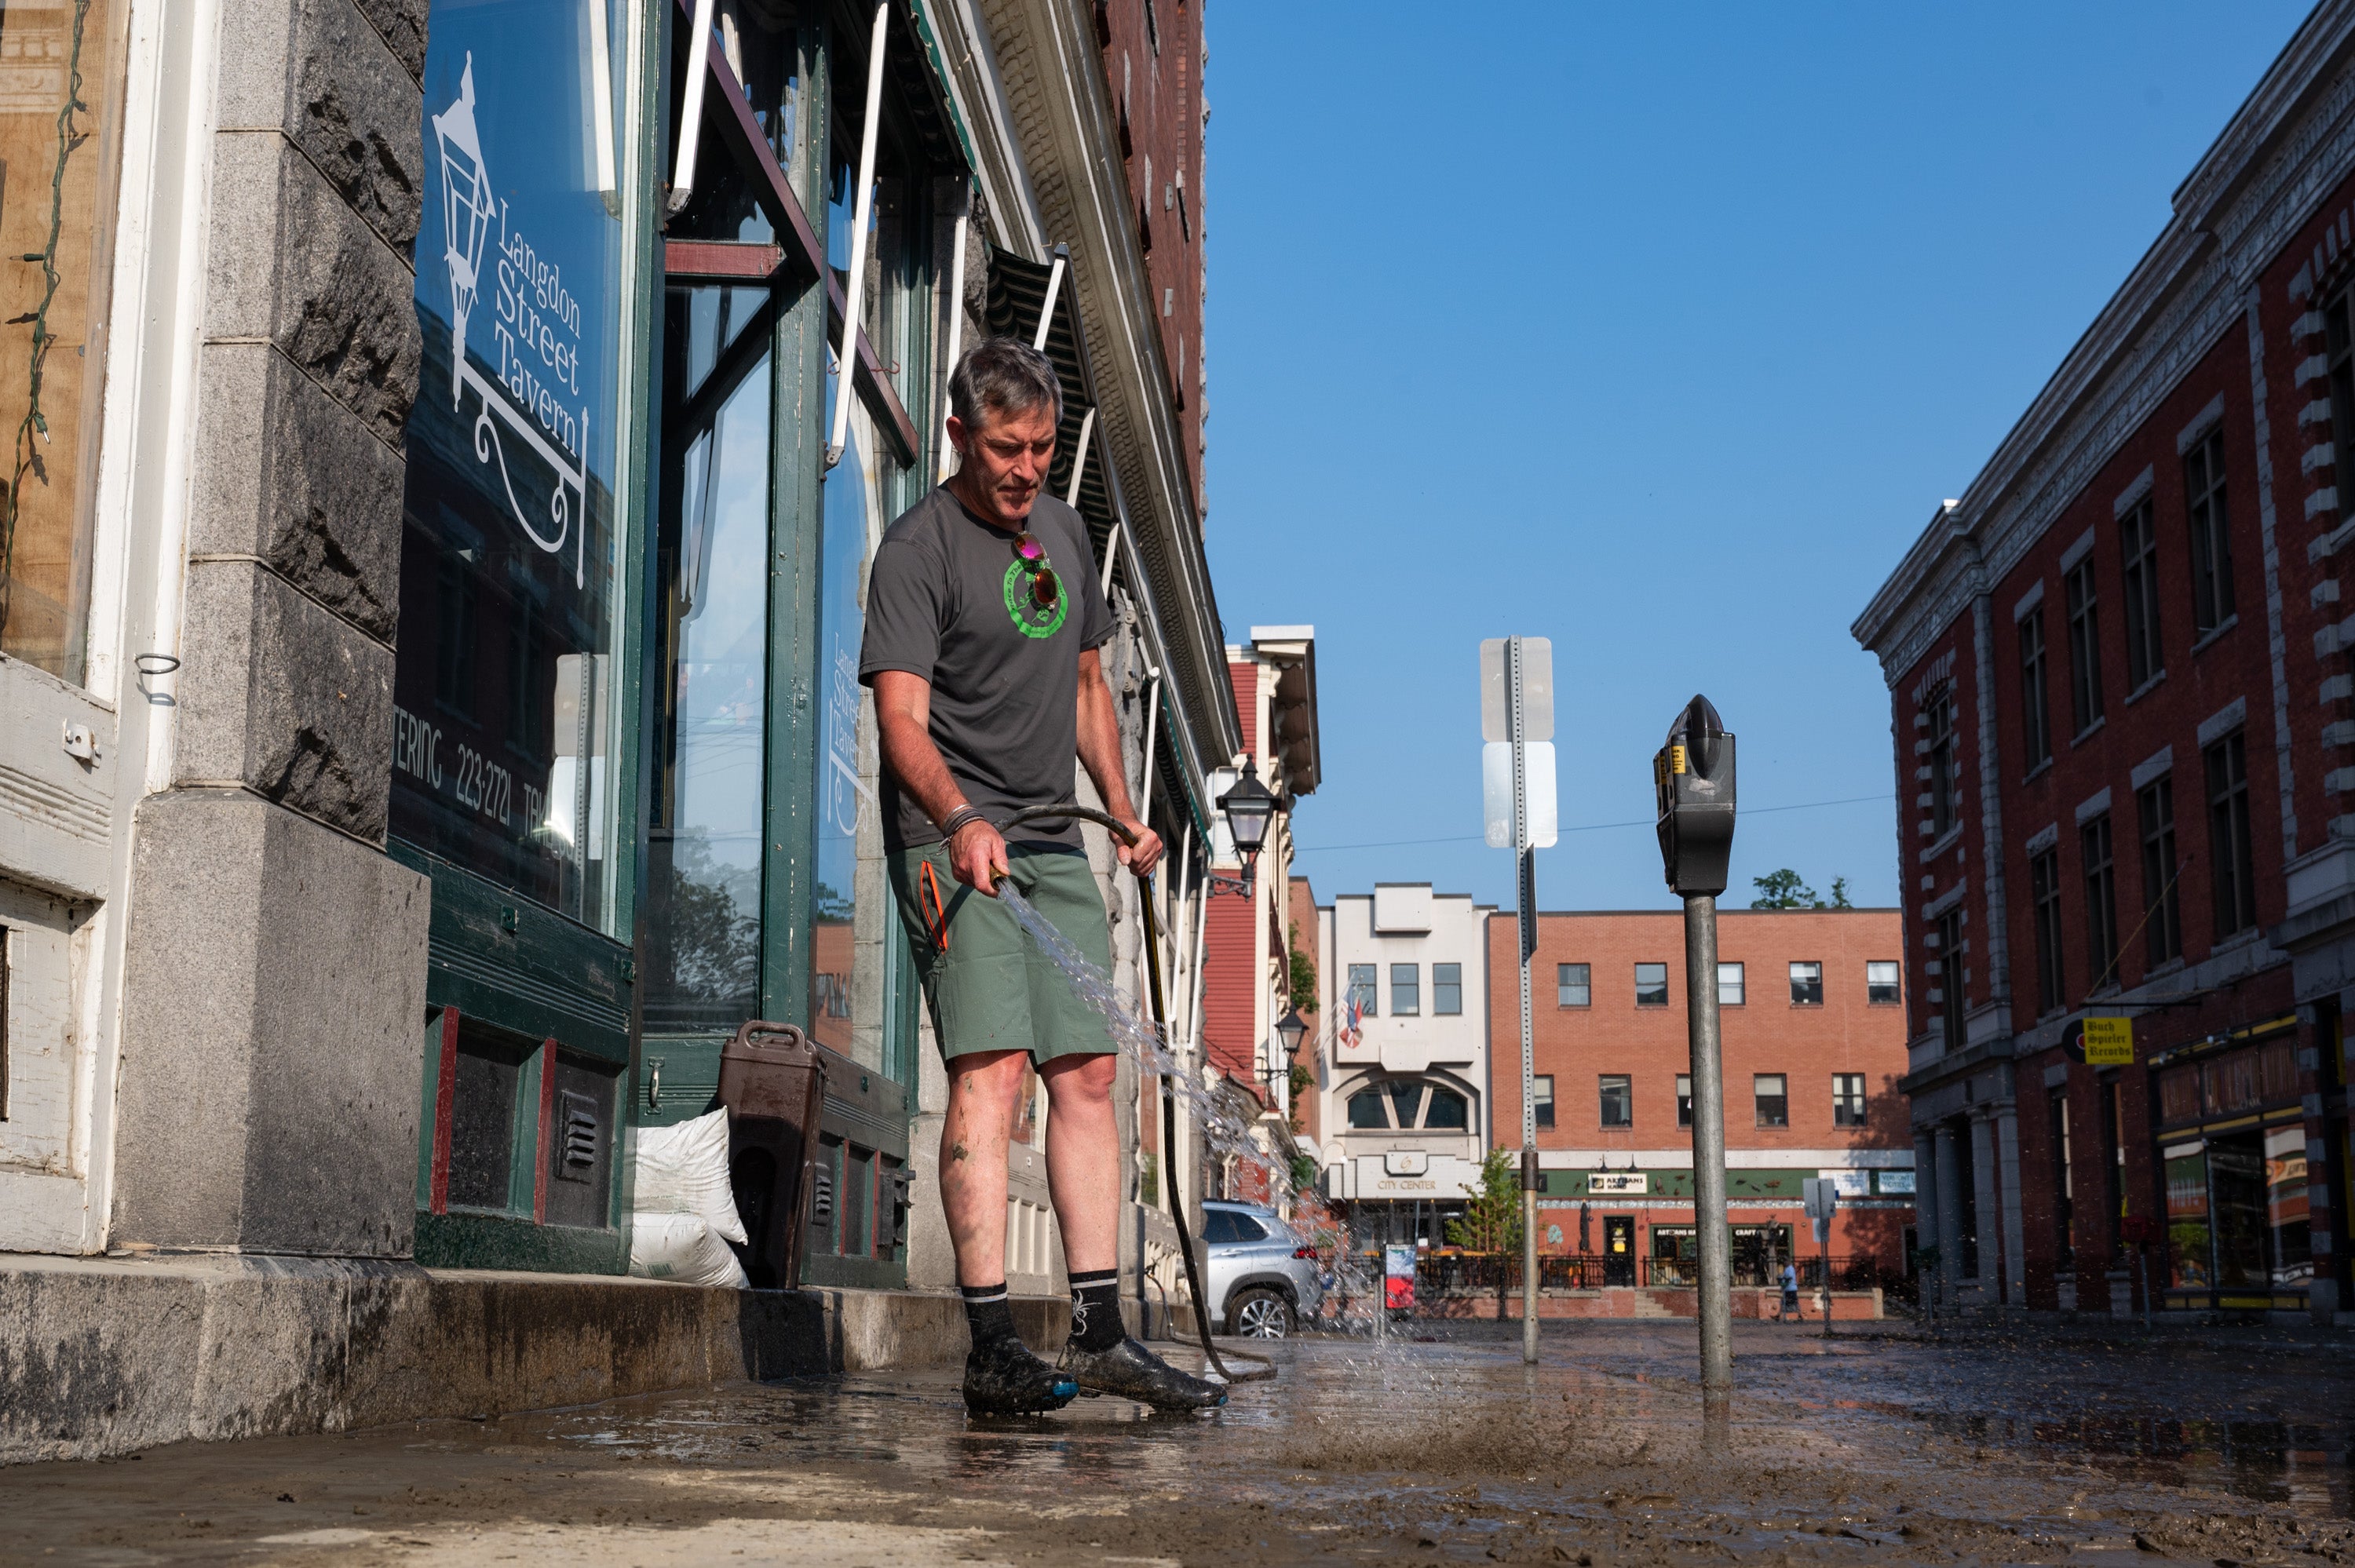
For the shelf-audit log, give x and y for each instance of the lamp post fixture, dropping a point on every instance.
(1249, 808)
(1290, 1031)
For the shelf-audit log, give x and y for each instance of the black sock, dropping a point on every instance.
(1095, 1310)
(988, 1316)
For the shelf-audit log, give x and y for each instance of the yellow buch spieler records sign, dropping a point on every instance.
(2109, 1042)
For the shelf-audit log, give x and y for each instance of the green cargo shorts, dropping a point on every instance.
(990, 986)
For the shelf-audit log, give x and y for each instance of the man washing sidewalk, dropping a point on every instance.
(984, 619)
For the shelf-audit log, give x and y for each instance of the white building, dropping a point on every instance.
(1402, 1086)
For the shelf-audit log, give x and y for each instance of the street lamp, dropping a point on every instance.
(1249, 810)
(1290, 1031)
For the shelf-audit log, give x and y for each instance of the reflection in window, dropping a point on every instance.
(1446, 989)
(1541, 1098)
(1618, 1100)
(1573, 985)
(1367, 1111)
(1448, 1111)
(1361, 991)
(52, 298)
(1406, 989)
(1406, 1100)
(840, 941)
(704, 861)
(1651, 985)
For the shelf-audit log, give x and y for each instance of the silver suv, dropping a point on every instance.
(1260, 1276)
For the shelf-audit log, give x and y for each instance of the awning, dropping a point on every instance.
(1017, 292)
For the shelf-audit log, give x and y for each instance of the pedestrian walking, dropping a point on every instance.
(1790, 1291)
(983, 620)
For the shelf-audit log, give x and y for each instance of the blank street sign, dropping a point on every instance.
(1496, 794)
(1537, 691)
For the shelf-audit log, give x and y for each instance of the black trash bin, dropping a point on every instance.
(773, 1081)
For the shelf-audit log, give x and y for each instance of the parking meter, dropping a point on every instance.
(1694, 776)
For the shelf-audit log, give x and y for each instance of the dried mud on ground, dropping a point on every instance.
(2219, 1452)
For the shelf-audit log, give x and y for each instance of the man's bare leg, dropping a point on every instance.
(983, 1087)
(1083, 1160)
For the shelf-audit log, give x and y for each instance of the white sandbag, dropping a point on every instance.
(683, 1249)
(683, 1169)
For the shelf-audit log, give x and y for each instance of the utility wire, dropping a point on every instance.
(1582, 828)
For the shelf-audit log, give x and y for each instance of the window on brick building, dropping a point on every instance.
(1541, 1098)
(1884, 982)
(2094, 848)
(2339, 343)
(2162, 921)
(1573, 985)
(1651, 985)
(1949, 995)
(2035, 707)
(1618, 1097)
(1944, 807)
(1446, 989)
(1847, 1099)
(2211, 544)
(1729, 985)
(1771, 1092)
(2045, 896)
(1406, 989)
(1361, 991)
(2232, 851)
(2138, 551)
(1684, 1099)
(2064, 1192)
(2084, 647)
(1807, 984)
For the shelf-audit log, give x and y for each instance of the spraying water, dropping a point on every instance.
(1357, 1284)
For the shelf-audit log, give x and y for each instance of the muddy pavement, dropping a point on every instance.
(2225, 1451)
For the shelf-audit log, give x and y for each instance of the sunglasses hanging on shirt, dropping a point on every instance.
(1045, 588)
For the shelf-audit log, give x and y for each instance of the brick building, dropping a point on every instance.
(1814, 1047)
(1243, 915)
(2120, 690)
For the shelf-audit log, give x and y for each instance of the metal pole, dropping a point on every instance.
(1828, 1277)
(1527, 859)
(862, 214)
(1709, 1145)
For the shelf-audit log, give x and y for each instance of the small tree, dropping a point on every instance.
(1839, 894)
(1492, 1221)
(1784, 890)
(1301, 981)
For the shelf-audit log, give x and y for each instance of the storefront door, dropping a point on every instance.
(1618, 1249)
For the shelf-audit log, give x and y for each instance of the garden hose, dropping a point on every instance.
(1168, 1103)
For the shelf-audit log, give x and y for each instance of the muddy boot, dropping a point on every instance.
(1004, 1378)
(1132, 1372)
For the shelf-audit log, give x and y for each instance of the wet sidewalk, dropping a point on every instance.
(1864, 1448)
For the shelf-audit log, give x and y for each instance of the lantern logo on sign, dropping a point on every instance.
(468, 208)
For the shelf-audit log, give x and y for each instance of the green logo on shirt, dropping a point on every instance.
(1030, 618)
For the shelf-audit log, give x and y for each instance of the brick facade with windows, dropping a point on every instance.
(1814, 1033)
(2130, 627)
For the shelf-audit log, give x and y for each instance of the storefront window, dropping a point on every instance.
(2189, 1249)
(2290, 1260)
(704, 861)
(845, 787)
(58, 113)
(504, 718)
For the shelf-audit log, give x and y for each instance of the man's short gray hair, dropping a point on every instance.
(1002, 376)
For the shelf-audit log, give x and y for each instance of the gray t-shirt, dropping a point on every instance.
(948, 600)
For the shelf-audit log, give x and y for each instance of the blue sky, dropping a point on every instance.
(1660, 335)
